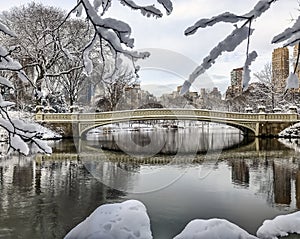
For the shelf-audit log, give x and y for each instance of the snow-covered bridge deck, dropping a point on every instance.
(258, 124)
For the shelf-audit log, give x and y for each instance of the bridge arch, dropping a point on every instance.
(248, 130)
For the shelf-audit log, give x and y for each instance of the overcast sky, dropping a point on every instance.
(166, 34)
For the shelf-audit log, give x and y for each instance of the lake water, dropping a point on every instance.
(46, 196)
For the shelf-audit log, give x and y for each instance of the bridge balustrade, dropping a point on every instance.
(259, 123)
(281, 117)
(165, 112)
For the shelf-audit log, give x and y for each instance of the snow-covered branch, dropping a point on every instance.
(167, 5)
(114, 32)
(66, 72)
(145, 10)
(238, 36)
(202, 23)
(229, 44)
(246, 72)
(290, 35)
(149, 10)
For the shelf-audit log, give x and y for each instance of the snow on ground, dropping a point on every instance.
(213, 229)
(293, 131)
(280, 226)
(128, 219)
(291, 143)
(47, 133)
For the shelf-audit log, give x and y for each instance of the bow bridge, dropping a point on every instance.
(257, 124)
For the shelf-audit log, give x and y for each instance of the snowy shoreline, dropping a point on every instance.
(42, 134)
(291, 132)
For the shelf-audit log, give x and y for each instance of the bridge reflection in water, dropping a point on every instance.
(63, 189)
(152, 141)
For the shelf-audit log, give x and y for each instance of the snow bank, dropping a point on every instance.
(120, 220)
(291, 143)
(213, 229)
(280, 226)
(47, 133)
(27, 118)
(293, 131)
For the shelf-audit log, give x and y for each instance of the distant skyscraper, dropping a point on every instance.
(236, 79)
(295, 54)
(280, 68)
(236, 76)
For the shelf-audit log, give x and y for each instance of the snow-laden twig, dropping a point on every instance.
(291, 34)
(205, 22)
(229, 44)
(257, 11)
(167, 5)
(111, 31)
(148, 11)
(246, 71)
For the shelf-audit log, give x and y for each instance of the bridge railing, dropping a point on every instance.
(173, 113)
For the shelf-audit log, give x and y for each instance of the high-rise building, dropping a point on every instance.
(280, 68)
(236, 76)
(295, 55)
(236, 79)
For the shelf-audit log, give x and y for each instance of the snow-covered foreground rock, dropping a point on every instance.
(280, 226)
(213, 229)
(128, 219)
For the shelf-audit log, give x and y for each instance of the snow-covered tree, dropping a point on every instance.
(113, 86)
(38, 45)
(69, 76)
(42, 46)
(21, 136)
(72, 83)
(265, 76)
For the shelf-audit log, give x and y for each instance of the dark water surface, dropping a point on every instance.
(46, 196)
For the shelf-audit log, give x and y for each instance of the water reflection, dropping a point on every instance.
(45, 196)
(298, 189)
(281, 184)
(168, 141)
(240, 172)
(45, 199)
